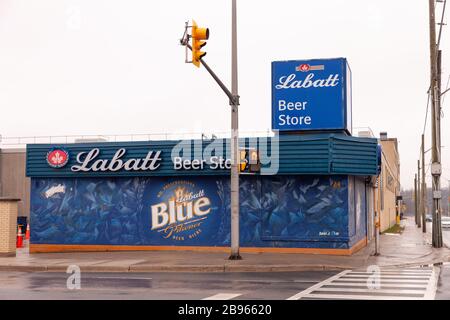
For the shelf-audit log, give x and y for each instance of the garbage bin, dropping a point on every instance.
(23, 222)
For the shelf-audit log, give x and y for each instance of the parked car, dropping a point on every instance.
(445, 222)
(429, 218)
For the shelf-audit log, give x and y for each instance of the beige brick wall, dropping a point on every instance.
(390, 175)
(8, 224)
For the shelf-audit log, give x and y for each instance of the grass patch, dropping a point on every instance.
(395, 229)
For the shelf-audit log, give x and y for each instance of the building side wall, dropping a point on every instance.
(13, 181)
(390, 184)
(357, 211)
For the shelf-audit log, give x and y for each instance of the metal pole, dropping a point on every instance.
(234, 139)
(423, 189)
(233, 97)
(377, 218)
(435, 111)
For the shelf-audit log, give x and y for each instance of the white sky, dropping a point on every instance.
(116, 67)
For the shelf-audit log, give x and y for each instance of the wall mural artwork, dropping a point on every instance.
(281, 211)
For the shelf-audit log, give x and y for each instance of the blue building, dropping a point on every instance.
(146, 196)
(313, 193)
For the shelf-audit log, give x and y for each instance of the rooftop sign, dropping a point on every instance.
(311, 95)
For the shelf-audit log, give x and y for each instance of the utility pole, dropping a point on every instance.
(419, 196)
(435, 134)
(423, 188)
(448, 199)
(234, 139)
(416, 209)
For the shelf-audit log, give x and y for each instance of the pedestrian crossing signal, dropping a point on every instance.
(249, 161)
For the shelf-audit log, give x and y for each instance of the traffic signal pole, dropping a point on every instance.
(234, 139)
(216, 78)
(233, 97)
(234, 102)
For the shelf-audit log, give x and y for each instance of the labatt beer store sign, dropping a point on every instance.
(182, 211)
(311, 95)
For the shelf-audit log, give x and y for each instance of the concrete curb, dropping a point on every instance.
(177, 268)
(217, 268)
(21, 268)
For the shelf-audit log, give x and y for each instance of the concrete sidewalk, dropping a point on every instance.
(410, 248)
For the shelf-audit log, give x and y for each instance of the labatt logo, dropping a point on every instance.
(182, 214)
(292, 82)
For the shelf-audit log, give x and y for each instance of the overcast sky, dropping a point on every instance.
(116, 67)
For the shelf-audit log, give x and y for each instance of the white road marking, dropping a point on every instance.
(223, 296)
(394, 284)
(385, 280)
(383, 276)
(318, 285)
(432, 286)
(119, 278)
(385, 285)
(351, 290)
(357, 297)
(397, 273)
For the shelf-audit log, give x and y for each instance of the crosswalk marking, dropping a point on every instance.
(396, 273)
(432, 285)
(403, 291)
(223, 296)
(384, 276)
(386, 280)
(385, 285)
(394, 284)
(318, 285)
(357, 297)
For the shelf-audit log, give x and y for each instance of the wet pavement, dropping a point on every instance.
(443, 290)
(158, 286)
(412, 247)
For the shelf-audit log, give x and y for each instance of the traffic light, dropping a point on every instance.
(243, 163)
(198, 35)
(254, 163)
(249, 161)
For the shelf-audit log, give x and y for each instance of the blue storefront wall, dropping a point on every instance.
(302, 211)
(315, 199)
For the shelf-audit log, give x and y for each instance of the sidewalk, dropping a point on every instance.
(410, 248)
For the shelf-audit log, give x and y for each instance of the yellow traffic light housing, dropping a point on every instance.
(249, 161)
(198, 34)
(243, 163)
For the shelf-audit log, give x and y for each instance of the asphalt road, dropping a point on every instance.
(443, 289)
(156, 286)
(446, 236)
